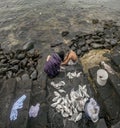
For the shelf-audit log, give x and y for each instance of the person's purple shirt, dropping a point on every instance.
(52, 66)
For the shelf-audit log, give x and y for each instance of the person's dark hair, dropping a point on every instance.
(61, 55)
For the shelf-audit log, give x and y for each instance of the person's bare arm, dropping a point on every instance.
(66, 60)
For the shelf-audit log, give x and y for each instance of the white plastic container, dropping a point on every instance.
(102, 77)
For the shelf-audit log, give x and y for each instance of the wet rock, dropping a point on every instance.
(113, 42)
(56, 44)
(89, 41)
(87, 37)
(3, 65)
(116, 125)
(21, 56)
(9, 74)
(2, 57)
(100, 41)
(81, 43)
(95, 37)
(14, 62)
(107, 40)
(33, 76)
(95, 21)
(3, 71)
(73, 48)
(70, 44)
(25, 77)
(4, 61)
(101, 124)
(42, 81)
(79, 52)
(54, 120)
(107, 46)
(64, 33)
(1, 53)
(28, 46)
(96, 46)
(11, 55)
(18, 79)
(84, 49)
(14, 68)
(23, 62)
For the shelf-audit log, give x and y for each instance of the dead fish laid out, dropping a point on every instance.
(71, 105)
(58, 85)
(71, 75)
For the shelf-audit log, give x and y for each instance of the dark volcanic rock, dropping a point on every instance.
(96, 46)
(14, 62)
(56, 44)
(79, 52)
(25, 77)
(101, 124)
(84, 49)
(3, 70)
(21, 56)
(81, 43)
(65, 33)
(28, 46)
(113, 42)
(9, 74)
(15, 68)
(33, 76)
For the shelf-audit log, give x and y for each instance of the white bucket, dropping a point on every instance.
(102, 77)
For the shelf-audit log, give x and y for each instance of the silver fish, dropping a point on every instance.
(61, 91)
(56, 103)
(57, 94)
(78, 117)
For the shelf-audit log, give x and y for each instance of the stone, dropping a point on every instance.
(116, 59)
(3, 71)
(95, 21)
(23, 62)
(101, 124)
(56, 44)
(28, 46)
(78, 52)
(14, 62)
(42, 81)
(20, 56)
(99, 41)
(117, 125)
(89, 41)
(96, 45)
(33, 76)
(81, 44)
(25, 77)
(84, 49)
(73, 48)
(15, 68)
(23, 85)
(64, 33)
(113, 42)
(9, 74)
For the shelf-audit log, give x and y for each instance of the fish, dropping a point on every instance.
(57, 94)
(79, 116)
(62, 91)
(56, 103)
(55, 99)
